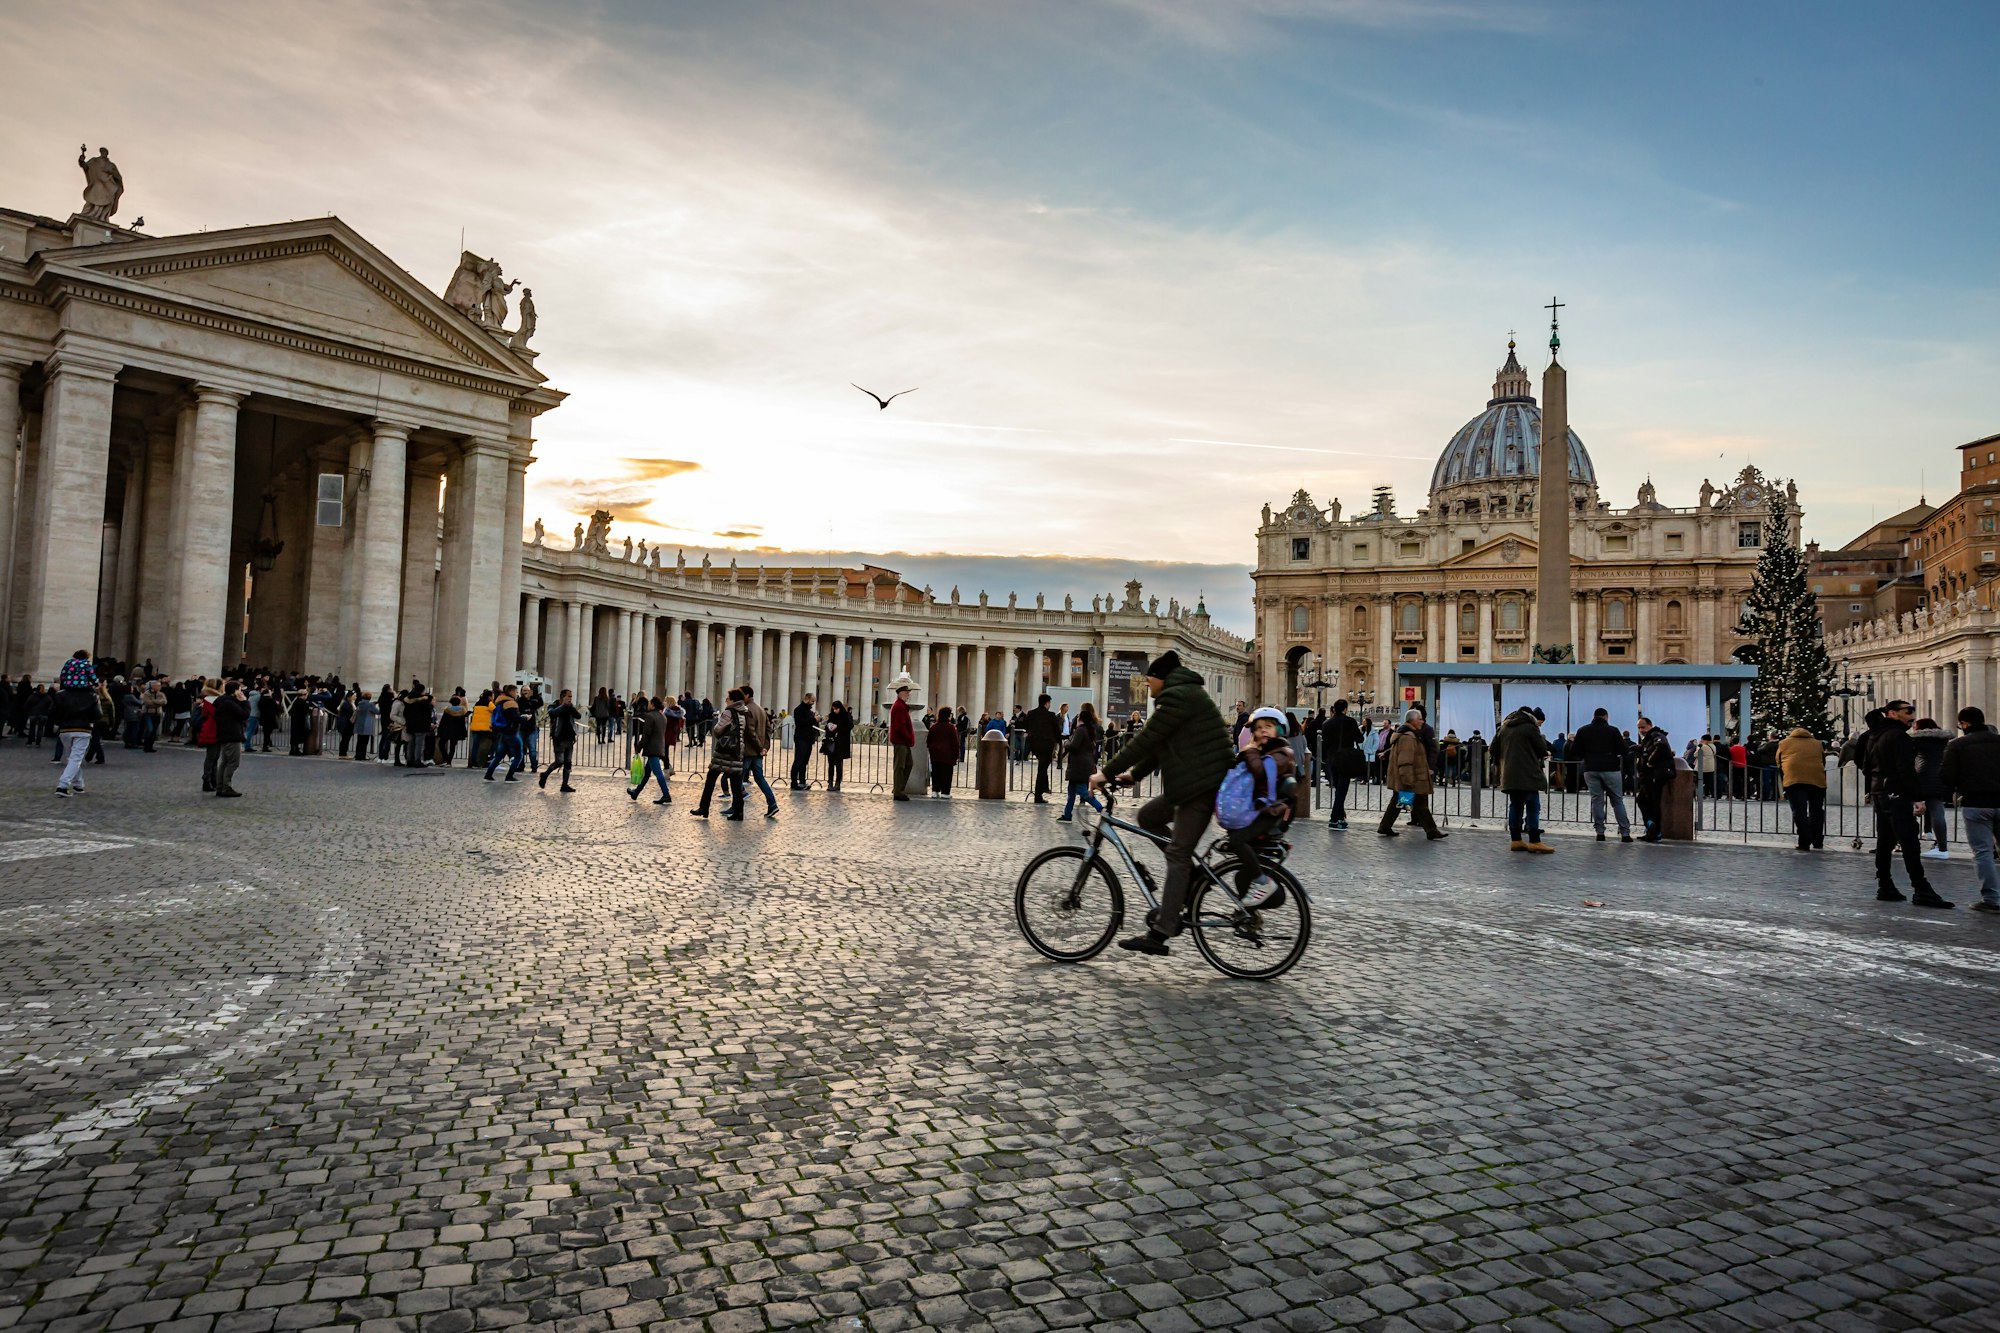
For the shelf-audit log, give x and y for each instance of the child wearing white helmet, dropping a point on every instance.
(1251, 805)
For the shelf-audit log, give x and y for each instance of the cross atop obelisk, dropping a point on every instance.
(1553, 640)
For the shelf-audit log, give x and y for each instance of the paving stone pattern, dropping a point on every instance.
(416, 1051)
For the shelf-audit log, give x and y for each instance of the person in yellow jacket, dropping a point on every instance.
(480, 729)
(1802, 772)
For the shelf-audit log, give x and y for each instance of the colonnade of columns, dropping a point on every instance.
(364, 588)
(585, 646)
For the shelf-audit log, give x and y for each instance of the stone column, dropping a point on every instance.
(12, 486)
(621, 681)
(67, 510)
(1587, 645)
(1010, 686)
(676, 655)
(572, 664)
(474, 556)
(20, 556)
(812, 674)
(1485, 626)
(649, 652)
(208, 498)
(978, 681)
(531, 633)
(753, 661)
(379, 555)
(149, 632)
(1434, 627)
(1385, 650)
(951, 652)
(1644, 649)
(330, 575)
(586, 653)
(125, 593)
(704, 663)
(781, 689)
(730, 635)
(234, 608)
(857, 676)
(507, 635)
(417, 634)
(107, 589)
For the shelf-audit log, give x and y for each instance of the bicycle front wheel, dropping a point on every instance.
(1068, 906)
(1253, 943)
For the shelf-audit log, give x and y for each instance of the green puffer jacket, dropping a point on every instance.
(1519, 752)
(1185, 740)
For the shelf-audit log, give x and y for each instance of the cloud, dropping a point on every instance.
(1232, 23)
(740, 534)
(659, 469)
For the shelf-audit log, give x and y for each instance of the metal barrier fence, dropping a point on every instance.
(1734, 805)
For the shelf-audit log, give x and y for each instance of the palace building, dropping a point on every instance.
(1342, 601)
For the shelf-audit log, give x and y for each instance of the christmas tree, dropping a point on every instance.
(1787, 646)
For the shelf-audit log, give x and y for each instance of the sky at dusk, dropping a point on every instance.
(1149, 263)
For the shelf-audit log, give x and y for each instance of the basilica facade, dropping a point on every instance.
(1342, 601)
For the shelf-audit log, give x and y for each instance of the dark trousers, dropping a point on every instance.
(732, 791)
(1524, 816)
(564, 752)
(903, 763)
(1420, 814)
(506, 748)
(1183, 825)
(346, 739)
(210, 756)
(834, 769)
(1808, 813)
(1043, 758)
(1340, 785)
(361, 746)
(1651, 799)
(225, 765)
(1896, 827)
(800, 758)
(1244, 842)
(941, 778)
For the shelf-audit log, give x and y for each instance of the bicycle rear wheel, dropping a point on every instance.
(1253, 943)
(1068, 908)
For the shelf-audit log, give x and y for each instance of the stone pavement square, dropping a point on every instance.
(416, 1051)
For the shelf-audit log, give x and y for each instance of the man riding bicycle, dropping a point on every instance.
(1186, 742)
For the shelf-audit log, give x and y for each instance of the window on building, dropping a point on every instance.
(1464, 544)
(1675, 541)
(1302, 548)
(1854, 587)
(1614, 650)
(1671, 614)
(1468, 650)
(1986, 522)
(1360, 619)
(1749, 534)
(1986, 557)
(332, 496)
(1619, 542)
(1819, 588)
(1854, 608)
(1412, 549)
(1412, 617)
(1468, 619)
(1510, 614)
(1361, 551)
(1301, 619)
(1615, 614)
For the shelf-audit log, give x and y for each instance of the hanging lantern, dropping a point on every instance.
(265, 553)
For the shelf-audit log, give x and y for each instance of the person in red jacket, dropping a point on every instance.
(902, 740)
(204, 732)
(941, 741)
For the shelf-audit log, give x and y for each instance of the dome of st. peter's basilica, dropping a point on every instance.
(1505, 441)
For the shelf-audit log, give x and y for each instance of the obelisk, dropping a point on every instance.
(1552, 511)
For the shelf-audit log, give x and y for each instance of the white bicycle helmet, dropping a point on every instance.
(1276, 715)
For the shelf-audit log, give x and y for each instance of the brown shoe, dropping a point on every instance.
(1540, 847)
(1517, 846)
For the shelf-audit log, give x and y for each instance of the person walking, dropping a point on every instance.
(1704, 764)
(1408, 769)
(532, 704)
(756, 741)
(564, 717)
(902, 742)
(1889, 759)
(153, 704)
(1928, 741)
(1972, 773)
(805, 732)
(1186, 742)
(1043, 730)
(1086, 737)
(1802, 771)
(839, 743)
(652, 739)
(600, 713)
(73, 714)
(270, 708)
(1653, 773)
(1344, 760)
(479, 730)
(1521, 753)
(505, 727)
(725, 759)
(232, 725)
(1598, 748)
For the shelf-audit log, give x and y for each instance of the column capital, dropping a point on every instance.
(215, 394)
(12, 370)
(485, 448)
(390, 430)
(64, 362)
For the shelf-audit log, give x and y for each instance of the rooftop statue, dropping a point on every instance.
(477, 291)
(538, 532)
(527, 329)
(103, 185)
(576, 543)
(628, 548)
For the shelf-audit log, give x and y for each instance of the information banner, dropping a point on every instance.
(1125, 685)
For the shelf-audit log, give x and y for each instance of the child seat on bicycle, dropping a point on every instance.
(1254, 803)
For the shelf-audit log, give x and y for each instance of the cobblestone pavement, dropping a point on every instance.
(417, 1051)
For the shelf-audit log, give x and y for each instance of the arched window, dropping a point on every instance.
(1412, 617)
(1301, 619)
(1510, 614)
(1673, 617)
(1360, 619)
(1468, 619)
(1615, 614)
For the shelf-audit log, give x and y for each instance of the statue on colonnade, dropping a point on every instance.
(628, 548)
(538, 532)
(577, 543)
(477, 290)
(103, 184)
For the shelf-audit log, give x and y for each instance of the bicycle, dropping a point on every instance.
(1069, 902)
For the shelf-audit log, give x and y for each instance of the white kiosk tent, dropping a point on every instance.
(1686, 700)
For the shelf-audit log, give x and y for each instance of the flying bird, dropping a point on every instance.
(883, 403)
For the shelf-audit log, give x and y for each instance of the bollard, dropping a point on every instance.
(1677, 807)
(992, 767)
